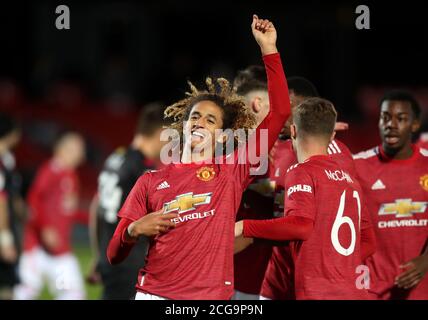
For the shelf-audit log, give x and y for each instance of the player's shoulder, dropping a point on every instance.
(367, 155)
(156, 180)
(299, 171)
(156, 174)
(338, 147)
(424, 153)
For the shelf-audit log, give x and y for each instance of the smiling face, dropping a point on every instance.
(204, 118)
(397, 124)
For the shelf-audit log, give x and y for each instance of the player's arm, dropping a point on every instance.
(93, 276)
(414, 271)
(299, 213)
(37, 200)
(8, 251)
(136, 222)
(280, 229)
(128, 232)
(265, 34)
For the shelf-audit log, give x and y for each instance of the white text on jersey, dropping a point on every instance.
(299, 187)
(338, 175)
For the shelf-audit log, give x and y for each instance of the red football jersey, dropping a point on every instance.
(397, 199)
(53, 202)
(278, 281)
(195, 259)
(326, 264)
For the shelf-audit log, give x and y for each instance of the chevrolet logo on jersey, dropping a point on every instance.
(403, 208)
(187, 202)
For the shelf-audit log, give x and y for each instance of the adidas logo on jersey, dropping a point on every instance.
(378, 185)
(333, 148)
(163, 185)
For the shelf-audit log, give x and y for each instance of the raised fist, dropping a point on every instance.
(265, 34)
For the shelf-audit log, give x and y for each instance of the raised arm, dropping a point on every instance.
(265, 34)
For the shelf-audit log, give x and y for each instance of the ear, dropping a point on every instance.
(333, 135)
(256, 104)
(416, 125)
(293, 131)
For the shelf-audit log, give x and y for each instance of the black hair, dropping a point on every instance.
(302, 87)
(403, 95)
(151, 118)
(250, 79)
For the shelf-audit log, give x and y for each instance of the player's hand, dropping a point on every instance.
(94, 276)
(8, 253)
(239, 228)
(265, 34)
(152, 224)
(50, 239)
(341, 126)
(416, 269)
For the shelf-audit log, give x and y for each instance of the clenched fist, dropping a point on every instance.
(265, 34)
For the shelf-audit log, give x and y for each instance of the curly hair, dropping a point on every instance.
(235, 113)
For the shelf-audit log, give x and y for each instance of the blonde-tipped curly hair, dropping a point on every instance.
(235, 113)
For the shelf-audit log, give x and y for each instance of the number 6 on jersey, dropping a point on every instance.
(340, 221)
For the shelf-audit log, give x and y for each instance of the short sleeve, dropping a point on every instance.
(135, 205)
(299, 194)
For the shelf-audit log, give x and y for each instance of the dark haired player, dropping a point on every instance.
(265, 191)
(394, 177)
(323, 216)
(194, 259)
(121, 170)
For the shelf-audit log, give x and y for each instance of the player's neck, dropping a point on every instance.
(402, 154)
(310, 149)
(61, 163)
(195, 156)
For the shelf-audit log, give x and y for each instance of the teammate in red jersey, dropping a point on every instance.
(394, 177)
(194, 259)
(278, 278)
(322, 214)
(53, 201)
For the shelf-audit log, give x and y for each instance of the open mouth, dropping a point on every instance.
(198, 135)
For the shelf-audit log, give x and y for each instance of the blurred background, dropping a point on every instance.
(120, 55)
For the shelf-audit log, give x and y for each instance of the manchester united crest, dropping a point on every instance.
(424, 182)
(205, 173)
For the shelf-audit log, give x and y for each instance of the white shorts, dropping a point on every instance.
(244, 296)
(61, 273)
(147, 296)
